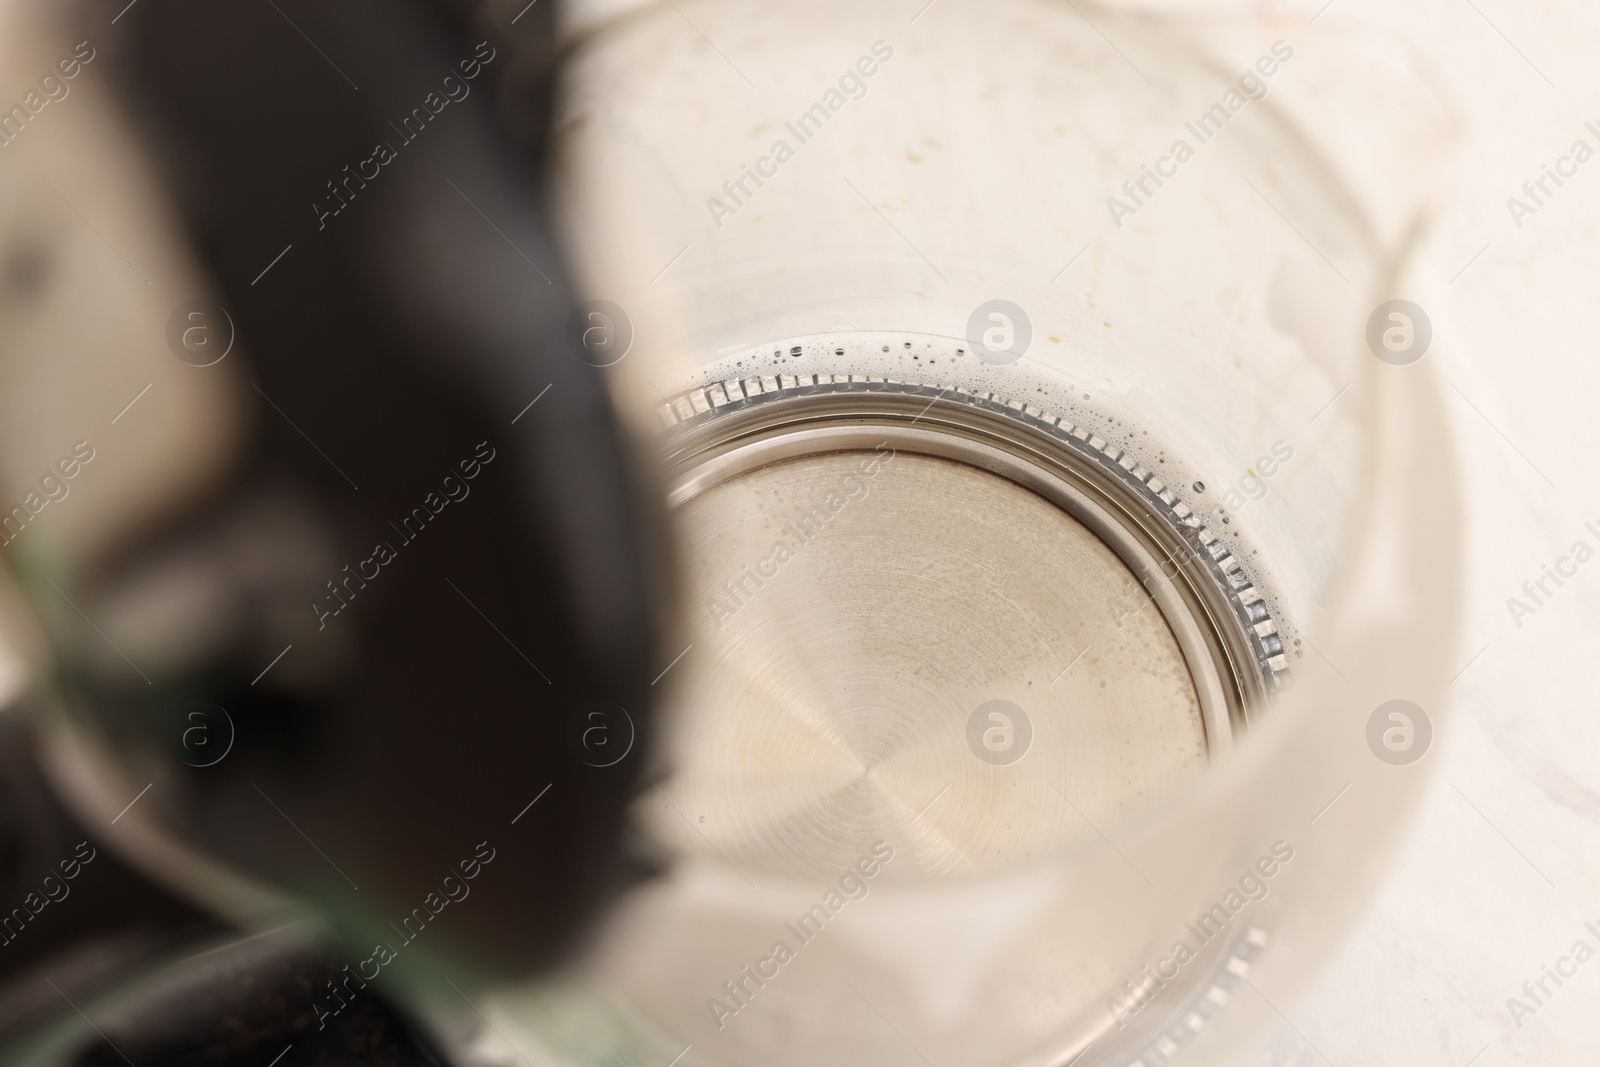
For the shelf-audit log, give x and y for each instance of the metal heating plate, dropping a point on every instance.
(977, 553)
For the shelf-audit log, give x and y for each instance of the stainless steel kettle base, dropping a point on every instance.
(939, 618)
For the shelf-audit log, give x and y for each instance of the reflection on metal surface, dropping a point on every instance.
(870, 565)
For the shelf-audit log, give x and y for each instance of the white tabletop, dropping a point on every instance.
(1501, 868)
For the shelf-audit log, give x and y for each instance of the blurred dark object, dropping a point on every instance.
(248, 1004)
(75, 914)
(418, 575)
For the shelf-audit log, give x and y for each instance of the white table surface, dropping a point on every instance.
(1501, 868)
